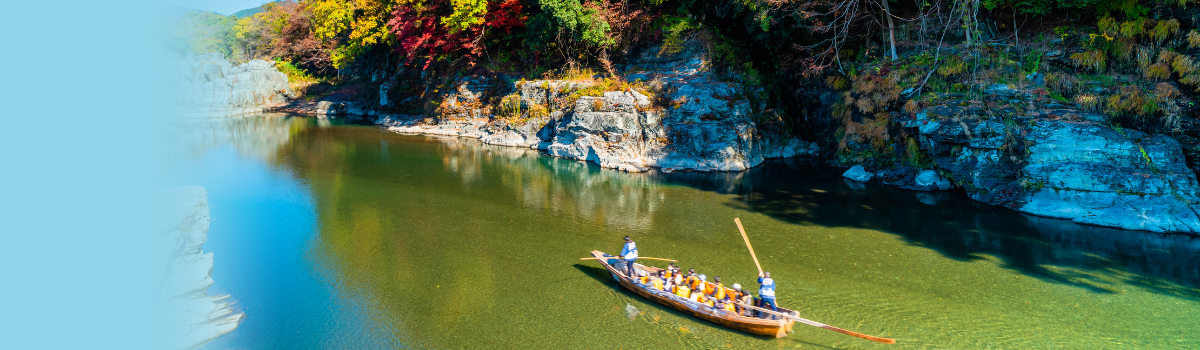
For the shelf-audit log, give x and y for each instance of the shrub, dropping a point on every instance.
(1094, 59)
(1088, 102)
(1165, 91)
(674, 28)
(1157, 72)
(1145, 57)
(953, 65)
(510, 106)
(837, 83)
(1062, 83)
(1183, 65)
(1164, 29)
(1193, 38)
(538, 111)
(1130, 29)
(912, 107)
(1131, 100)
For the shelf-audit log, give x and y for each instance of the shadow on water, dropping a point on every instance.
(1095, 258)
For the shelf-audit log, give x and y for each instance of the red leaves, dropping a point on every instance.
(505, 14)
(419, 30)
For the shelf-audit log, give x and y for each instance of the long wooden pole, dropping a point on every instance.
(640, 257)
(822, 325)
(747, 239)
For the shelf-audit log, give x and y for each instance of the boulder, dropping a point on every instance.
(858, 173)
(929, 180)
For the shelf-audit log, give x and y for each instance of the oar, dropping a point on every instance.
(822, 325)
(747, 239)
(640, 257)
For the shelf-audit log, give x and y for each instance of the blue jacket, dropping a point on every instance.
(767, 291)
(630, 251)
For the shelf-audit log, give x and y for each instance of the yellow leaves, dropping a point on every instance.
(467, 14)
(354, 24)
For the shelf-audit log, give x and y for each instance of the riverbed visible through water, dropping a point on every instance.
(341, 236)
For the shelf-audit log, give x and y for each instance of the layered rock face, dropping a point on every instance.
(1065, 163)
(210, 86)
(708, 125)
(194, 318)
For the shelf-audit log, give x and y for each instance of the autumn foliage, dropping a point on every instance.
(434, 28)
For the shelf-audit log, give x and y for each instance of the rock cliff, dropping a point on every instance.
(698, 123)
(196, 318)
(1057, 162)
(210, 86)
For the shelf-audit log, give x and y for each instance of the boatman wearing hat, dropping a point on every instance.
(629, 254)
(767, 292)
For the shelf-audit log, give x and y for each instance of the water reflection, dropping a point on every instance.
(259, 136)
(541, 183)
(1099, 259)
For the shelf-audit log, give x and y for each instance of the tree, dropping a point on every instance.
(351, 27)
(432, 28)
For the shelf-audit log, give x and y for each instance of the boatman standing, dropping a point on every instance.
(767, 292)
(629, 254)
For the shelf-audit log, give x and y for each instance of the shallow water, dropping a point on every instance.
(345, 236)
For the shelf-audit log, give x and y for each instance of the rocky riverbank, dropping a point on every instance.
(1052, 161)
(1031, 154)
(690, 122)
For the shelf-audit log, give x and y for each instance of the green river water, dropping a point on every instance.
(330, 235)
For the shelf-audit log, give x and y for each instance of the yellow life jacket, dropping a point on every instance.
(682, 291)
(658, 284)
(729, 307)
(645, 279)
(720, 292)
(709, 302)
(695, 282)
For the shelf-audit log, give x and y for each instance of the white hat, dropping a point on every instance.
(737, 286)
(704, 278)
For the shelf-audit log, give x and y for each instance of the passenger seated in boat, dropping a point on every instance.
(683, 291)
(745, 299)
(693, 280)
(672, 270)
(642, 274)
(678, 283)
(718, 291)
(657, 281)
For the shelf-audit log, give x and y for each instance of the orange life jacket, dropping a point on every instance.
(719, 293)
(645, 279)
(729, 307)
(695, 282)
(658, 284)
(709, 302)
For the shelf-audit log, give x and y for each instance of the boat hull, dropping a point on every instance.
(767, 327)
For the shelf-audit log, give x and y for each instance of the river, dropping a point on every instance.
(333, 235)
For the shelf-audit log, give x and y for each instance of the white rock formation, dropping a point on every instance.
(209, 86)
(194, 318)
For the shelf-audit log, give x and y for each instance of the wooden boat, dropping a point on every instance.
(775, 328)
